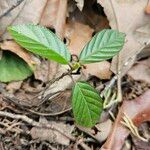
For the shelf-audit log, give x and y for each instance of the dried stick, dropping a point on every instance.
(35, 123)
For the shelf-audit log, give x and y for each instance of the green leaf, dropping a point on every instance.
(13, 68)
(41, 41)
(104, 45)
(86, 104)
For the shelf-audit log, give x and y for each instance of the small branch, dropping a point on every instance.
(49, 114)
(35, 123)
(11, 8)
(134, 130)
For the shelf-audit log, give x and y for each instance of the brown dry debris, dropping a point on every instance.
(35, 114)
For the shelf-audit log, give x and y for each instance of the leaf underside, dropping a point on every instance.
(87, 104)
(41, 41)
(104, 45)
(13, 68)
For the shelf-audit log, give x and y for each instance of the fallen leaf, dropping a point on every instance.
(27, 12)
(54, 16)
(101, 133)
(14, 86)
(100, 70)
(60, 102)
(104, 129)
(7, 19)
(145, 53)
(18, 50)
(78, 35)
(144, 68)
(127, 17)
(51, 135)
(92, 15)
(46, 70)
(138, 111)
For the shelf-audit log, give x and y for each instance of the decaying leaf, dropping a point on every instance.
(46, 70)
(14, 86)
(27, 12)
(51, 135)
(141, 71)
(78, 35)
(102, 70)
(104, 129)
(138, 111)
(58, 104)
(54, 15)
(127, 17)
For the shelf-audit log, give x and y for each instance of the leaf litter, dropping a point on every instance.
(77, 23)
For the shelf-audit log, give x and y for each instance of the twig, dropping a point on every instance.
(35, 123)
(129, 124)
(49, 114)
(83, 145)
(11, 8)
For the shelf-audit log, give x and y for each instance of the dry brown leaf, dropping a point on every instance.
(138, 110)
(92, 15)
(78, 35)
(60, 103)
(28, 11)
(18, 50)
(100, 70)
(51, 135)
(46, 70)
(145, 53)
(127, 17)
(104, 129)
(141, 71)
(54, 16)
(14, 86)
(10, 17)
(101, 133)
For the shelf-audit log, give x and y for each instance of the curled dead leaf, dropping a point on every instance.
(138, 111)
(121, 15)
(51, 135)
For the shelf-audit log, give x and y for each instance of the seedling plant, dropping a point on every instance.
(87, 104)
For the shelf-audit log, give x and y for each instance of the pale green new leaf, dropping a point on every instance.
(86, 104)
(41, 41)
(13, 68)
(104, 45)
